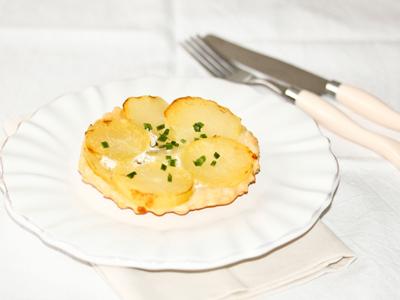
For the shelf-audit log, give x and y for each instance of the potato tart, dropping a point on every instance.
(153, 157)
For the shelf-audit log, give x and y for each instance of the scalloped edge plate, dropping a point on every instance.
(45, 194)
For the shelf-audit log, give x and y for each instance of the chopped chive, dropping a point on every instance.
(216, 155)
(147, 126)
(159, 127)
(203, 136)
(169, 177)
(196, 139)
(213, 163)
(131, 174)
(162, 138)
(105, 144)
(163, 167)
(169, 146)
(172, 162)
(168, 157)
(183, 141)
(174, 143)
(198, 126)
(161, 146)
(198, 162)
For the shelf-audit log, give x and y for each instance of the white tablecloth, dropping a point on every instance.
(51, 47)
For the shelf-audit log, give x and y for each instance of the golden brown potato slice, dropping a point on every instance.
(117, 139)
(111, 144)
(218, 161)
(152, 189)
(190, 117)
(145, 110)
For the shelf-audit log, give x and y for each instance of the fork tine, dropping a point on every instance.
(201, 60)
(223, 62)
(211, 56)
(211, 61)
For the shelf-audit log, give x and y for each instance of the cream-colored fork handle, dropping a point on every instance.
(336, 121)
(368, 106)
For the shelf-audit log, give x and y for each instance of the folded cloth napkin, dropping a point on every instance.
(315, 253)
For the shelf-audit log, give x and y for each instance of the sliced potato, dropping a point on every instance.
(145, 109)
(118, 139)
(111, 143)
(233, 166)
(155, 189)
(183, 113)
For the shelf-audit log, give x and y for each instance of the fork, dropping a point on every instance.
(321, 111)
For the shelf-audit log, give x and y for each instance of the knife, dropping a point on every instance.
(354, 98)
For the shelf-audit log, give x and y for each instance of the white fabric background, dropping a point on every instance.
(48, 48)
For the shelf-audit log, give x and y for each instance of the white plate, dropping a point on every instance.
(45, 194)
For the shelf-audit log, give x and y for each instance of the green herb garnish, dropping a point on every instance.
(159, 127)
(172, 162)
(163, 167)
(147, 126)
(196, 139)
(105, 144)
(183, 141)
(169, 146)
(164, 136)
(169, 177)
(168, 157)
(203, 136)
(198, 126)
(198, 162)
(131, 174)
(174, 143)
(213, 163)
(166, 132)
(216, 155)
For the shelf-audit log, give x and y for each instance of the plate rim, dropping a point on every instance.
(118, 261)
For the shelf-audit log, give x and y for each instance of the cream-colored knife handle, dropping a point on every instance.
(336, 121)
(368, 106)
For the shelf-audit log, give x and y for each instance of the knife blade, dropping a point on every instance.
(354, 98)
(271, 66)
